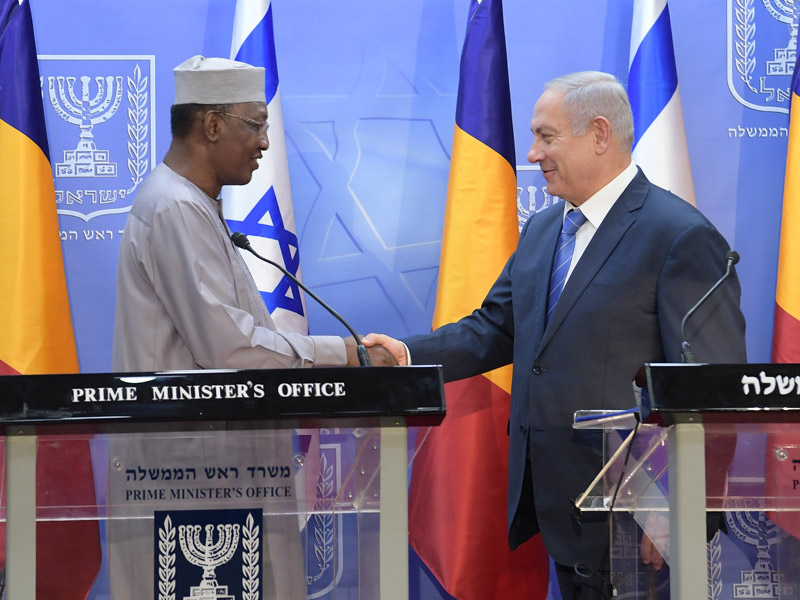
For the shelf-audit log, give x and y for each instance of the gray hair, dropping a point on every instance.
(590, 94)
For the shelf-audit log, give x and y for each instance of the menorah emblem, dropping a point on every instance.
(85, 112)
(755, 529)
(785, 12)
(209, 555)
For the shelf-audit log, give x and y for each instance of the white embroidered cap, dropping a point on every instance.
(202, 80)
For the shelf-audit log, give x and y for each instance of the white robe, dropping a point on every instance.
(186, 300)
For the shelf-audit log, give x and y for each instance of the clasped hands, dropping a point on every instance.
(383, 350)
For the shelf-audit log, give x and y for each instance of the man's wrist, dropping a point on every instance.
(408, 353)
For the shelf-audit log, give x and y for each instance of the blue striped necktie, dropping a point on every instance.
(566, 246)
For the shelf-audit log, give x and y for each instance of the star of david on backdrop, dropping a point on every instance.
(286, 294)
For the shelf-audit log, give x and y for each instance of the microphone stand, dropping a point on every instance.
(240, 241)
(731, 258)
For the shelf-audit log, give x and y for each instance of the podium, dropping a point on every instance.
(216, 484)
(718, 450)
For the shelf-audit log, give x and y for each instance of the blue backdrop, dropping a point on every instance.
(368, 95)
(368, 92)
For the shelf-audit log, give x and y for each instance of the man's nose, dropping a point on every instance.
(535, 154)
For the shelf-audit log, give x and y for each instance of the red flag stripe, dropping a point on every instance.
(6, 369)
(462, 535)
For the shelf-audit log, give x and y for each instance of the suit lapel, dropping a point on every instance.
(618, 220)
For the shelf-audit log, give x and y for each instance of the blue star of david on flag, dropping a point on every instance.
(286, 294)
(262, 209)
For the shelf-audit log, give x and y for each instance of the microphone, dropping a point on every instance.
(731, 258)
(240, 241)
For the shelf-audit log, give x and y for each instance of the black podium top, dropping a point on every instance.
(358, 395)
(751, 392)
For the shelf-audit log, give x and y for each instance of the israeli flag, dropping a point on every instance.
(262, 209)
(659, 141)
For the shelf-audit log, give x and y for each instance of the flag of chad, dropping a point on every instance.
(457, 501)
(35, 324)
(786, 330)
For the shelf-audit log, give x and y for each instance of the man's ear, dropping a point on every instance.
(210, 125)
(601, 130)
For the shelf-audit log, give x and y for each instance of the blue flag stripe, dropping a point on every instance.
(259, 50)
(20, 93)
(795, 79)
(653, 78)
(484, 100)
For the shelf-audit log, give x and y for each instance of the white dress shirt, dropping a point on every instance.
(595, 210)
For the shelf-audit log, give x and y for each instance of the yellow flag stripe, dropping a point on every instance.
(36, 334)
(788, 290)
(481, 232)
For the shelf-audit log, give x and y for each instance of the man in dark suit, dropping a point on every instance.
(635, 258)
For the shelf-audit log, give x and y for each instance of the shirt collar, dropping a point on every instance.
(597, 206)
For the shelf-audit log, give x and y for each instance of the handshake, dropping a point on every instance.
(383, 350)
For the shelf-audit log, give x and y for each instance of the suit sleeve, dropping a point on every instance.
(479, 342)
(693, 265)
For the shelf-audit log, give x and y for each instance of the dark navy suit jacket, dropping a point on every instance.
(652, 258)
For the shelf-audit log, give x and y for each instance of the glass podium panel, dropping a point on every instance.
(202, 484)
(215, 513)
(751, 504)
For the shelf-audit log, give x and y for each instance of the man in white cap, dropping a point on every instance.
(185, 298)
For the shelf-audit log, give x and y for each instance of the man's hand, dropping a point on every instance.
(396, 347)
(658, 527)
(378, 355)
(650, 554)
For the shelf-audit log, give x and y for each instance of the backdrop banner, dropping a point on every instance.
(368, 93)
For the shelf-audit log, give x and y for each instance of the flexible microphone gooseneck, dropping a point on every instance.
(240, 241)
(731, 258)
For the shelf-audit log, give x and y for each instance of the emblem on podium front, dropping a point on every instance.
(762, 42)
(208, 554)
(756, 530)
(327, 530)
(100, 113)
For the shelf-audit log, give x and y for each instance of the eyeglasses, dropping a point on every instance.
(260, 128)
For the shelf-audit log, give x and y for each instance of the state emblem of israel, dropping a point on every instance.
(208, 554)
(100, 115)
(762, 42)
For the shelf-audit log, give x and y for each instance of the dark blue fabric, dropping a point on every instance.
(795, 84)
(484, 98)
(616, 312)
(20, 92)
